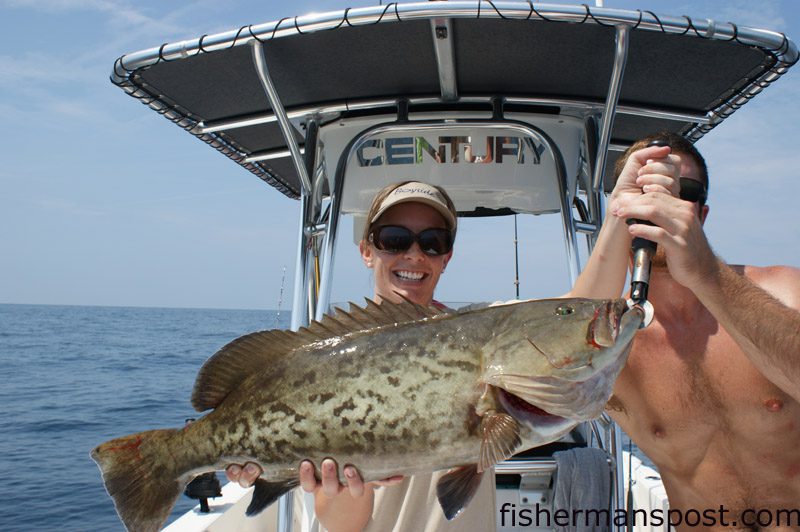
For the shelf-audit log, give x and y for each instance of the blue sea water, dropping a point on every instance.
(73, 377)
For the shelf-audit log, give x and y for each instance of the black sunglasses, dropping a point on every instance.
(693, 190)
(396, 239)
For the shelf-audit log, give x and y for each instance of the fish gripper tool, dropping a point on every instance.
(643, 252)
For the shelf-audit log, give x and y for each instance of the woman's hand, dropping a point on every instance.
(245, 475)
(339, 508)
(329, 483)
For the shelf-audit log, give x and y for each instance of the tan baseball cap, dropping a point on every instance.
(419, 192)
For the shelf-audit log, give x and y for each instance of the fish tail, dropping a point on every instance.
(139, 474)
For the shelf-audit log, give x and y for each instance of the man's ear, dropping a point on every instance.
(703, 214)
(366, 253)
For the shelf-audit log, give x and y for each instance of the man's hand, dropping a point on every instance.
(677, 225)
(678, 230)
(652, 169)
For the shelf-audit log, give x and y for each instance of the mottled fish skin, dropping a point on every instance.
(402, 393)
(395, 399)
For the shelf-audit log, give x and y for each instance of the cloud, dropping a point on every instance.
(27, 67)
(69, 80)
(69, 208)
(769, 14)
(73, 109)
(758, 141)
(45, 94)
(740, 12)
(127, 25)
(73, 63)
(119, 11)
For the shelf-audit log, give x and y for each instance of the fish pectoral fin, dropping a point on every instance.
(265, 493)
(500, 439)
(456, 488)
(487, 402)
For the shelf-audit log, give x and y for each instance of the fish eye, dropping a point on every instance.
(564, 311)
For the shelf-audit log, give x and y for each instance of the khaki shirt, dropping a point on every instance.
(412, 506)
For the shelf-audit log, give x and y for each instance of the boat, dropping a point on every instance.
(516, 108)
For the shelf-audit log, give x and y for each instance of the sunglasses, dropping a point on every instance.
(396, 239)
(692, 190)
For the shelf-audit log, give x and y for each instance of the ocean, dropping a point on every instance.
(73, 377)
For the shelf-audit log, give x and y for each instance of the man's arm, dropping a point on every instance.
(765, 326)
(650, 170)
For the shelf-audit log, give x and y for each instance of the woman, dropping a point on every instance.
(407, 242)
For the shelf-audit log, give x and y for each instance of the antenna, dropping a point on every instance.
(516, 257)
(280, 297)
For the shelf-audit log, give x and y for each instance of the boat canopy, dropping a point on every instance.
(681, 74)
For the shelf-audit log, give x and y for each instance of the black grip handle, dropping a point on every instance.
(643, 252)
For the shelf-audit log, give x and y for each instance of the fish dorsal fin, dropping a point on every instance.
(223, 372)
(388, 313)
(251, 353)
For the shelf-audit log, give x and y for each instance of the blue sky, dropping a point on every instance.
(103, 202)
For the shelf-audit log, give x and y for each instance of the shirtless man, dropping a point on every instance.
(711, 391)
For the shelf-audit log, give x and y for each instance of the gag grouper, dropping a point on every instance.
(393, 389)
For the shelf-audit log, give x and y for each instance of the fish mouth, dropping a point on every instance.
(605, 325)
(524, 411)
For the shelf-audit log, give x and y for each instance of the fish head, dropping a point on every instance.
(553, 362)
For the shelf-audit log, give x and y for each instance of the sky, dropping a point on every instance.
(104, 202)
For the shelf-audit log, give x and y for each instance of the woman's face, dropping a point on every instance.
(411, 273)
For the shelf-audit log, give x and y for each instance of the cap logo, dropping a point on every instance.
(433, 193)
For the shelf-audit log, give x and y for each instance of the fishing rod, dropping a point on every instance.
(280, 296)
